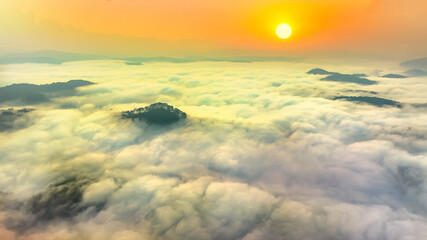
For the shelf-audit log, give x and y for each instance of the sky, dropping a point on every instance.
(322, 135)
(392, 28)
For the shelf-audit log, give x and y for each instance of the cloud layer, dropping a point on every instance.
(265, 153)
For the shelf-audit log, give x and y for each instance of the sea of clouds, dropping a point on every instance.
(264, 154)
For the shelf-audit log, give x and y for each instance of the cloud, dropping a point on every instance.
(256, 160)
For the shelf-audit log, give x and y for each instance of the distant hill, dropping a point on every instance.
(243, 59)
(376, 101)
(416, 73)
(9, 116)
(157, 113)
(359, 78)
(420, 63)
(57, 57)
(35, 94)
(319, 71)
(133, 63)
(361, 91)
(349, 78)
(51, 57)
(394, 76)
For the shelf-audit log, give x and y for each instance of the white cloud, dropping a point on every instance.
(252, 161)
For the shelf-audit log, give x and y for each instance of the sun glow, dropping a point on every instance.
(283, 31)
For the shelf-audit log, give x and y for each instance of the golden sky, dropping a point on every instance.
(388, 27)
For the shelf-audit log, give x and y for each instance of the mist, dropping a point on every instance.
(266, 151)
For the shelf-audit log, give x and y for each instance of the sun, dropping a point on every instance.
(283, 31)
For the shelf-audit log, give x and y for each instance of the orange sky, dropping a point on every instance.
(390, 27)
